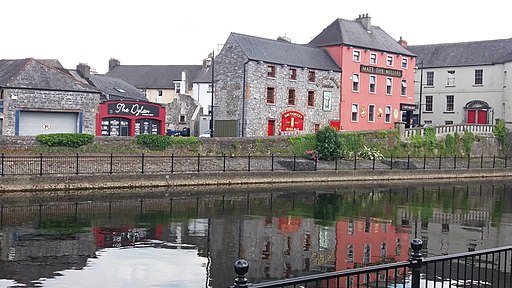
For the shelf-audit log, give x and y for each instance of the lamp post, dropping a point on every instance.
(421, 92)
(213, 92)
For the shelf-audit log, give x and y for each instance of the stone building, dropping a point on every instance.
(184, 113)
(269, 87)
(464, 82)
(36, 98)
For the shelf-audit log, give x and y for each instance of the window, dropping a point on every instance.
(293, 74)
(451, 78)
(311, 98)
(183, 118)
(479, 77)
(291, 97)
(389, 60)
(449, 103)
(373, 84)
(429, 101)
(271, 71)
(387, 114)
(373, 58)
(350, 253)
(327, 99)
(430, 78)
(403, 91)
(271, 95)
(311, 76)
(355, 109)
(160, 93)
(356, 56)
(448, 122)
(177, 86)
(389, 86)
(371, 113)
(210, 88)
(355, 83)
(405, 63)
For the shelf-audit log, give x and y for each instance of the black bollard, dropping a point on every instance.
(241, 268)
(416, 260)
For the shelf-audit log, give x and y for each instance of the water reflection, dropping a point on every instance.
(193, 241)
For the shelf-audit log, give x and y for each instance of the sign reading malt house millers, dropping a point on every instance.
(381, 71)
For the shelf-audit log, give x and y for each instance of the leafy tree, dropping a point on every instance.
(328, 143)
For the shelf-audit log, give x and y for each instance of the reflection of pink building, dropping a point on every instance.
(362, 242)
(378, 76)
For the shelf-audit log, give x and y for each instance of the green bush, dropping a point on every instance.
(351, 144)
(154, 141)
(328, 143)
(302, 143)
(467, 141)
(500, 132)
(450, 145)
(72, 140)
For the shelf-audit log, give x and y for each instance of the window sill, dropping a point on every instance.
(449, 86)
(293, 80)
(478, 85)
(270, 77)
(449, 112)
(427, 112)
(311, 106)
(268, 103)
(429, 86)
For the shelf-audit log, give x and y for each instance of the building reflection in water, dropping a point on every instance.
(281, 234)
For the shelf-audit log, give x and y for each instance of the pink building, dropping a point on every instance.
(377, 82)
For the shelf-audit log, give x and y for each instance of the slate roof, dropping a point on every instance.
(352, 32)
(30, 73)
(114, 87)
(280, 52)
(464, 54)
(154, 76)
(204, 76)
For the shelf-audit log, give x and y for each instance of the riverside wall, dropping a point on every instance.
(73, 184)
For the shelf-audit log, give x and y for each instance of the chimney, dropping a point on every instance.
(284, 39)
(366, 21)
(183, 82)
(402, 42)
(84, 70)
(112, 63)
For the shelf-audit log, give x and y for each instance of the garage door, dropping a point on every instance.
(35, 123)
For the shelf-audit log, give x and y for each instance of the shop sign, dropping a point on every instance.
(381, 71)
(407, 107)
(133, 109)
(292, 121)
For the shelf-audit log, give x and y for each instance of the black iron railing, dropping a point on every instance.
(486, 268)
(157, 164)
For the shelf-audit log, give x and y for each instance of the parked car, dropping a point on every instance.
(206, 133)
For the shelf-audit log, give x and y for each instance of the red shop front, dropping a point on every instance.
(130, 118)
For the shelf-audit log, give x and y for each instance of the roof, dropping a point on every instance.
(352, 32)
(154, 76)
(32, 74)
(204, 76)
(464, 54)
(116, 89)
(280, 52)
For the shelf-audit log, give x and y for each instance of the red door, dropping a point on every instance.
(482, 117)
(471, 116)
(271, 127)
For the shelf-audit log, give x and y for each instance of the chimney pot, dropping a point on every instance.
(112, 63)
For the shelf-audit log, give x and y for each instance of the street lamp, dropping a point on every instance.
(421, 91)
(212, 56)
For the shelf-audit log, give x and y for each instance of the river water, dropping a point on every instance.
(192, 239)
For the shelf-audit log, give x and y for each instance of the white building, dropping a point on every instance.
(464, 82)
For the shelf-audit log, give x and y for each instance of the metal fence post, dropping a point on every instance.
(111, 163)
(336, 164)
(424, 161)
(454, 161)
(506, 156)
(416, 262)
(142, 160)
(494, 161)
(481, 161)
(172, 163)
(198, 161)
(440, 161)
(3, 156)
(272, 164)
(77, 164)
(224, 162)
(391, 162)
(373, 163)
(249, 162)
(316, 164)
(469, 161)
(294, 161)
(41, 164)
(408, 161)
(355, 161)
(241, 268)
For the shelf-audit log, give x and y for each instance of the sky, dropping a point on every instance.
(166, 32)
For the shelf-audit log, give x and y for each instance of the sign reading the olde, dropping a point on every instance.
(134, 109)
(381, 71)
(292, 121)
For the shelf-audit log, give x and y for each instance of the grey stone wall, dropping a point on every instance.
(41, 100)
(230, 105)
(258, 112)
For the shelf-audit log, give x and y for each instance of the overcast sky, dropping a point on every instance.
(169, 32)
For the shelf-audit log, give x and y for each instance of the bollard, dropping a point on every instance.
(241, 268)
(416, 262)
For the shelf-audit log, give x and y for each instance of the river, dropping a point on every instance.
(181, 240)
